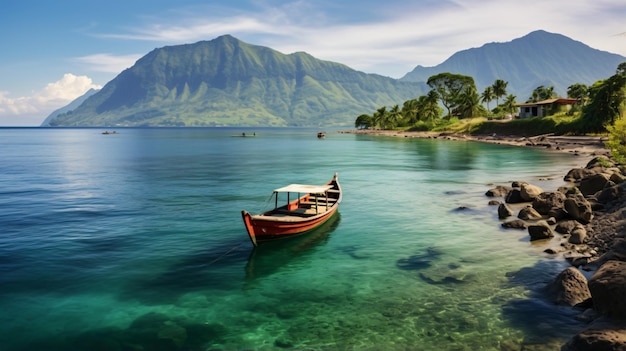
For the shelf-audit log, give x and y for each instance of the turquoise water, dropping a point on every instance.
(134, 241)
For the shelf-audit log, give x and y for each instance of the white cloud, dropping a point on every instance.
(400, 34)
(31, 110)
(107, 62)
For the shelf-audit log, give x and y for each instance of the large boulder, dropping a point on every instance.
(594, 183)
(540, 230)
(570, 288)
(528, 213)
(600, 162)
(576, 174)
(578, 208)
(597, 340)
(547, 201)
(608, 289)
(529, 192)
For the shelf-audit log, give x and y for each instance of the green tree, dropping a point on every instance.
(499, 89)
(380, 116)
(578, 91)
(364, 121)
(393, 117)
(428, 106)
(409, 111)
(606, 100)
(488, 96)
(449, 87)
(617, 140)
(509, 104)
(542, 93)
(468, 102)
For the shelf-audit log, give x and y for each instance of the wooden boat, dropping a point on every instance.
(312, 206)
(321, 135)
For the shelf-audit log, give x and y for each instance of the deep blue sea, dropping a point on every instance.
(134, 241)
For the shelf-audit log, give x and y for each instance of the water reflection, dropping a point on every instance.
(268, 258)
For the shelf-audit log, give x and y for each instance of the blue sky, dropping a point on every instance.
(54, 51)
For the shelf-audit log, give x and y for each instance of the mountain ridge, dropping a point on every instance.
(227, 82)
(538, 58)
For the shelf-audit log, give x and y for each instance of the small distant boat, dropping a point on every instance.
(107, 132)
(314, 205)
(244, 135)
(321, 135)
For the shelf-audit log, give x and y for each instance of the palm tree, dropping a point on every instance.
(429, 106)
(499, 89)
(468, 102)
(409, 111)
(380, 117)
(509, 104)
(488, 96)
(394, 116)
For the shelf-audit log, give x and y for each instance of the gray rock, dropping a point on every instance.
(594, 183)
(597, 340)
(547, 201)
(569, 288)
(540, 230)
(515, 224)
(566, 227)
(579, 235)
(528, 213)
(498, 191)
(608, 289)
(514, 196)
(529, 192)
(578, 208)
(504, 211)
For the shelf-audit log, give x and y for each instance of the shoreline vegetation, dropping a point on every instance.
(586, 221)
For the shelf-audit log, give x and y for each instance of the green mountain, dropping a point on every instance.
(226, 82)
(539, 58)
(72, 105)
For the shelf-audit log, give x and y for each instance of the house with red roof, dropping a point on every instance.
(545, 107)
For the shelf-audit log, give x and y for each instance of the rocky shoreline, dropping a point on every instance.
(587, 220)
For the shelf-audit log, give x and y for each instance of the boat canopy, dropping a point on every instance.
(303, 188)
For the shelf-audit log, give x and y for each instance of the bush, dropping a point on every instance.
(617, 140)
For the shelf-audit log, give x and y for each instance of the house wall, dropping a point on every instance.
(531, 111)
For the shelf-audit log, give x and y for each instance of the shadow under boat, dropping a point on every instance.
(268, 258)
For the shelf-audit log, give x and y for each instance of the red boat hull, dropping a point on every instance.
(270, 226)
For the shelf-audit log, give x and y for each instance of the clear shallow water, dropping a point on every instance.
(134, 241)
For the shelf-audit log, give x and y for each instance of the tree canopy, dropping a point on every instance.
(451, 89)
